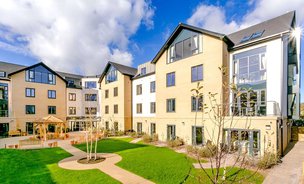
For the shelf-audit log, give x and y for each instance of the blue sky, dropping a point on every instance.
(81, 37)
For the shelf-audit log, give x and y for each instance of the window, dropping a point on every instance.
(90, 110)
(252, 103)
(139, 128)
(107, 125)
(52, 109)
(143, 71)
(152, 107)
(111, 75)
(185, 46)
(171, 79)
(250, 66)
(171, 134)
(40, 74)
(171, 105)
(90, 97)
(152, 87)
(29, 92)
(196, 104)
(70, 83)
(90, 84)
(196, 73)
(197, 135)
(139, 108)
(116, 109)
(153, 129)
(115, 91)
(72, 96)
(51, 94)
(30, 109)
(72, 110)
(139, 89)
(106, 109)
(107, 93)
(2, 74)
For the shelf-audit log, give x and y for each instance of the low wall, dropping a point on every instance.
(297, 133)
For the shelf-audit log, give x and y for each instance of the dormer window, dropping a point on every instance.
(185, 45)
(143, 71)
(2, 74)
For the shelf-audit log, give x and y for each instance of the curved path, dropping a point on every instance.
(107, 166)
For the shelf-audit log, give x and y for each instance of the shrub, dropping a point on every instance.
(120, 133)
(133, 134)
(175, 143)
(146, 138)
(191, 149)
(207, 151)
(268, 160)
(154, 137)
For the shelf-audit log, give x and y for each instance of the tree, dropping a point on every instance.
(216, 113)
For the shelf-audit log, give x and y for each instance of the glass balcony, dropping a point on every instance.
(270, 108)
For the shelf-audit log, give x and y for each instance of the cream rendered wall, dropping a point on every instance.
(123, 100)
(40, 101)
(146, 117)
(213, 56)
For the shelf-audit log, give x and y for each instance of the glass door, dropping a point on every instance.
(197, 135)
(170, 132)
(29, 128)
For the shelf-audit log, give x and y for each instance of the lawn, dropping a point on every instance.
(160, 165)
(40, 166)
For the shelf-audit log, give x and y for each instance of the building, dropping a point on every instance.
(262, 62)
(83, 101)
(116, 96)
(143, 99)
(28, 94)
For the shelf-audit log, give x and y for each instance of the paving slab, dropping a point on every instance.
(290, 170)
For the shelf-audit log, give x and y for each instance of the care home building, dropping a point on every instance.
(261, 62)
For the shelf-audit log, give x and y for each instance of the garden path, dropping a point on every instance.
(107, 166)
(291, 169)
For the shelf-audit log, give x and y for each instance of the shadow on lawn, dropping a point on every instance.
(112, 146)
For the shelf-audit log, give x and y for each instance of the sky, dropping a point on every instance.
(82, 36)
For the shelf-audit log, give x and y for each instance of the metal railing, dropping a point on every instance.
(270, 108)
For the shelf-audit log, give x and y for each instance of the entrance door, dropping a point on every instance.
(197, 135)
(171, 135)
(29, 127)
(4, 127)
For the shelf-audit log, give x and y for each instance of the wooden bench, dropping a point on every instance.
(14, 133)
(29, 142)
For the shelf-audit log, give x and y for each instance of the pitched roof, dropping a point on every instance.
(9, 67)
(33, 66)
(182, 26)
(268, 28)
(70, 75)
(125, 70)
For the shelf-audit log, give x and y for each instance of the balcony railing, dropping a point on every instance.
(270, 108)
(3, 113)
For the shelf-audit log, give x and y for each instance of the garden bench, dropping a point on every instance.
(14, 133)
(29, 142)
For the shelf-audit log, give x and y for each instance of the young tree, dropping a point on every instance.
(216, 117)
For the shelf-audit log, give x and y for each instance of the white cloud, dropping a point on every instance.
(75, 36)
(213, 17)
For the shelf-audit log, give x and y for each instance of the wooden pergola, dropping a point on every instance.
(43, 123)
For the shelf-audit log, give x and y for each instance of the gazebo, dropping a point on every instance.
(43, 123)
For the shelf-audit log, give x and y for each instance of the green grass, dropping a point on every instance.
(41, 166)
(160, 165)
(234, 174)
